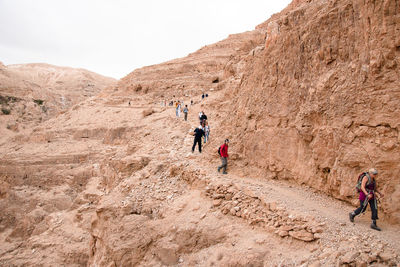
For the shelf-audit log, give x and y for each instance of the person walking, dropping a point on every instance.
(198, 134)
(185, 111)
(200, 114)
(223, 152)
(178, 110)
(206, 132)
(203, 116)
(368, 190)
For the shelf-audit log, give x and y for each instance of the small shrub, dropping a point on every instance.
(6, 111)
(8, 99)
(38, 101)
(3, 100)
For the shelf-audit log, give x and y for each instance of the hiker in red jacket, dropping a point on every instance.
(224, 156)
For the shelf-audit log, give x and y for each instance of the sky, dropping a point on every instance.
(114, 37)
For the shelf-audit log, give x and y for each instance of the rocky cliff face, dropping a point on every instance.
(31, 93)
(309, 96)
(319, 104)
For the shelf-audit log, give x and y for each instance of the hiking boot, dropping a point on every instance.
(224, 173)
(375, 227)
(351, 216)
(219, 168)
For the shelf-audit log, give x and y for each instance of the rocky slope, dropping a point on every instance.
(192, 75)
(31, 93)
(108, 183)
(112, 184)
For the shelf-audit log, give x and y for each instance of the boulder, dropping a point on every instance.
(283, 233)
(350, 257)
(302, 235)
(167, 255)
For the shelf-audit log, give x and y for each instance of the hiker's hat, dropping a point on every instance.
(227, 140)
(373, 171)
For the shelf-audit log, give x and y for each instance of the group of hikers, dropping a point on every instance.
(366, 184)
(203, 130)
(179, 109)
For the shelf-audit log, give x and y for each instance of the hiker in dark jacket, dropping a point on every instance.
(224, 156)
(203, 116)
(198, 134)
(367, 196)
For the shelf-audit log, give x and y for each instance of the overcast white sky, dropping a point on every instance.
(114, 37)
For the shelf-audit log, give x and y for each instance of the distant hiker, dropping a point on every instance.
(203, 116)
(191, 102)
(367, 187)
(206, 95)
(223, 152)
(202, 96)
(200, 114)
(185, 111)
(129, 103)
(206, 132)
(178, 109)
(198, 134)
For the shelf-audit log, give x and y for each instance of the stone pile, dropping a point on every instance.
(257, 211)
(353, 253)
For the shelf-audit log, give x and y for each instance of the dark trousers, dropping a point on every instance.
(373, 206)
(185, 116)
(224, 164)
(197, 140)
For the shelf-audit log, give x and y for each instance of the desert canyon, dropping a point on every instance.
(99, 172)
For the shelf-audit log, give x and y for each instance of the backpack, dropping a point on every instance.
(359, 181)
(219, 151)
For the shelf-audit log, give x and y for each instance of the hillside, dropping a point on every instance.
(31, 93)
(308, 99)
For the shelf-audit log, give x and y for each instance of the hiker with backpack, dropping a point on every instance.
(203, 116)
(198, 134)
(223, 153)
(366, 185)
(200, 114)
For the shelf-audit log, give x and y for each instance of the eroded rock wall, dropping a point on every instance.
(320, 103)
